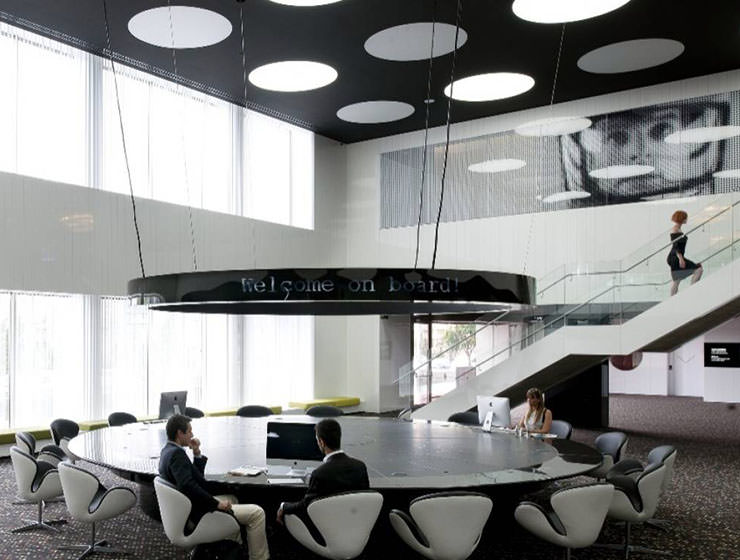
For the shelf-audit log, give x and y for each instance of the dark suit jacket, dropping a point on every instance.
(176, 468)
(340, 473)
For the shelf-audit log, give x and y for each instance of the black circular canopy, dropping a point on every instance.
(335, 291)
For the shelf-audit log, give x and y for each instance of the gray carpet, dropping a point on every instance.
(702, 506)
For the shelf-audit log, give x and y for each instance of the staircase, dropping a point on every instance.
(627, 308)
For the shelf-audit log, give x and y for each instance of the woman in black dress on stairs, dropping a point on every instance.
(681, 267)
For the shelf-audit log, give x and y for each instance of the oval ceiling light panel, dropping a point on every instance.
(370, 112)
(565, 195)
(628, 56)
(303, 3)
(728, 174)
(497, 165)
(293, 75)
(702, 134)
(179, 27)
(489, 87)
(562, 11)
(412, 41)
(556, 126)
(621, 171)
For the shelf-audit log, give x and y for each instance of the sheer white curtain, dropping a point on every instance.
(4, 359)
(178, 141)
(278, 359)
(49, 359)
(43, 107)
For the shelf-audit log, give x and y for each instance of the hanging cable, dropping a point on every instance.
(182, 138)
(123, 136)
(542, 147)
(427, 102)
(458, 16)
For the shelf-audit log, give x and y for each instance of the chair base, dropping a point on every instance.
(47, 525)
(100, 547)
(662, 524)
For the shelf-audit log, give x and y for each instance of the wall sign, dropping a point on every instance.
(722, 354)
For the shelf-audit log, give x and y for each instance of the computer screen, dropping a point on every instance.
(172, 402)
(498, 405)
(292, 440)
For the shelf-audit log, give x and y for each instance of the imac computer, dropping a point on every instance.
(498, 406)
(294, 441)
(172, 402)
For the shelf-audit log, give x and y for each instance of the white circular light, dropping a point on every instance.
(562, 11)
(368, 112)
(293, 75)
(621, 171)
(497, 165)
(728, 174)
(565, 195)
(702, 134)
(628, 56)
(305, 2)
(555, 126)
(179, 27)
(489, 87)
(412, 41)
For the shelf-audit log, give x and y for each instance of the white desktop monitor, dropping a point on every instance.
(499, 406)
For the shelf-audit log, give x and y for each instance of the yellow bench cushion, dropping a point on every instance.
(8, 436)
(89, 425)
(330, 401)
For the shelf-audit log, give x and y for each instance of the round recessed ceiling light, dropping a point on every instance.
(621, 171)
(702, 134)
(293, 75)
(728, 174)
(555, 126)
(628, 56)
(412, 41)
(489, 87)
(369, 112)
(562, 11)
(565, 195)
(179, 27)
(497, 165)
(305, 2)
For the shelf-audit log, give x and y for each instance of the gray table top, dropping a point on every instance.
(398, 454)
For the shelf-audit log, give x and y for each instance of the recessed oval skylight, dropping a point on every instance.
(179, 27)
(368, 112)
(628, 56)
(413, 41)
(305, 2)
(728, 174)
(489, 87)
(565, 195)
(562, 11)
(621, 171)
(497, 165)
(293, 75)
(702, 134)
(555, 126)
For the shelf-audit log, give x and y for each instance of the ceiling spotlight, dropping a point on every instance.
(555, 126)
(179, 27)
(305, 2)
(621, 171)
(628, 56)
(702, 134)
(411, 41)
(293, 75)
(497, 165)
(368, 112)
(489, 87)
(565, 195)
(562, 11)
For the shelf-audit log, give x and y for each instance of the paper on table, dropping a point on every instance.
(247, 471)
(285, 481)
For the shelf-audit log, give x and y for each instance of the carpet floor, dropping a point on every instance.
(702, 506)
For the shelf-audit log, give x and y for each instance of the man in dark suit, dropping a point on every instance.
(338, 473)
(176, 468)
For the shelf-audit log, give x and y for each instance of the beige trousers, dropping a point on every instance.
(253, 518)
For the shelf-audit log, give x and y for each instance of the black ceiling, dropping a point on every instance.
(335, 34)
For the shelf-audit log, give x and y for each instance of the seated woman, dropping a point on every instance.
(538, 419)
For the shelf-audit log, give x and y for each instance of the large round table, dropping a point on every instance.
(404, 458)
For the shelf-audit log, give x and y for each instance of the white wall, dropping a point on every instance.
(649, 378)
(723, 384)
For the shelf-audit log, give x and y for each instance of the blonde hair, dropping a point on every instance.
(540, 410)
